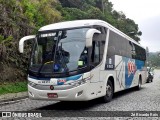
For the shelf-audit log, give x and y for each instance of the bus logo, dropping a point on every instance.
(131, 67)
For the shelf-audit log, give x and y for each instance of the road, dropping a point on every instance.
(146, 99)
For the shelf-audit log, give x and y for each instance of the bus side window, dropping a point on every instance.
(133, 51)
(98, 45)
(97, 53)
(139, 53)
(102, 46)
(95, 57)
(111, 51)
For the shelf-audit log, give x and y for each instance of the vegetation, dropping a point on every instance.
(154, 59)
(23, 17)
(13, 87)
(98, 9)
(20, 18)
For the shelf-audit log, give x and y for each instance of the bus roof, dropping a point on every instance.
(70, 24)
(84, 23)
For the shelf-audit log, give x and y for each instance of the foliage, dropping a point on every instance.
(5, 40)
(95, 13)
(153, 59)
(41, 12)
(99, 9)
(23, 17)
(73, 14)
(20, 18)
(13, 87)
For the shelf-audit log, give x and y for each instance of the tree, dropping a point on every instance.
(99, 9)
(20, 18)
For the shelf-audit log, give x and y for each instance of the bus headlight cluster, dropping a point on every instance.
(31, 83)
(78, 82)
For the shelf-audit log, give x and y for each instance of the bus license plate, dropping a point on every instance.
(52, 95)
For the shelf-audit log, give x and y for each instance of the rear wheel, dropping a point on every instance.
(138, 87)
(109, 92)
(150, 80)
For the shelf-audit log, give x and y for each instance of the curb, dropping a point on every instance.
(13, 96)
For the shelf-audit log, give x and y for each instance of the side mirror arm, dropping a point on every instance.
(89, 36)
(21, 42)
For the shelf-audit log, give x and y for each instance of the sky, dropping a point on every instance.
(145, 13)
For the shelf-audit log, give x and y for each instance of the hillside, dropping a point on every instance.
(154, 59)
(24, 17)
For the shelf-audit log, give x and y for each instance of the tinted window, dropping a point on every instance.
(119, 45)
(98, 45)
(116, 45)
(140, 53)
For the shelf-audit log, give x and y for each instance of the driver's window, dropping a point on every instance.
(95, 57)
(96, 53)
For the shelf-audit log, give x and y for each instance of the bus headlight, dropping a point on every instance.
(32, 83)
(77, 82)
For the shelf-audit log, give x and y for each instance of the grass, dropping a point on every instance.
(13, 87)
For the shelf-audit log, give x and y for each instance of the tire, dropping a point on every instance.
(138, 87)
(109, 92)
(147, 81)
(150, 79)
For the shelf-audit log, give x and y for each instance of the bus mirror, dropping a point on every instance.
(21, 42)
(89, 36)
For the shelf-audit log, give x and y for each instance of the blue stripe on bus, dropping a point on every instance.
(130, 75)
(75, 77)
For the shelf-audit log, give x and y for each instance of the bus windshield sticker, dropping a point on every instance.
(80, 63)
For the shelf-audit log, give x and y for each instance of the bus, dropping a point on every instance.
(82, 60)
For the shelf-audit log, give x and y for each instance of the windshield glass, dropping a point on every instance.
(60, 51)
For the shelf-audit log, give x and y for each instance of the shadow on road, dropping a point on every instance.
(85, 105)
(68, 105)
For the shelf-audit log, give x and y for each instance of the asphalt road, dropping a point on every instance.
(146, 99)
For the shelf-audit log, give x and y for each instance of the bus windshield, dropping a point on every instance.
(59, 51)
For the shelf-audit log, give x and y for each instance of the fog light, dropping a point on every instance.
(31, 94)
(79, 93)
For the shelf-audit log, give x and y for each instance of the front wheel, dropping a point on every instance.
(109, 92)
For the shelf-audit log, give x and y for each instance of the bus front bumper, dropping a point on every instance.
(78, 93)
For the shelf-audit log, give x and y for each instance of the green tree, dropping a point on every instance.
(99, 9)
(20, 18)
(73, 14)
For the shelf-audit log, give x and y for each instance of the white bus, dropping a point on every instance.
(82, 60)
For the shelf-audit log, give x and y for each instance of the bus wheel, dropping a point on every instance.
(109, 92)
(138, 87)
